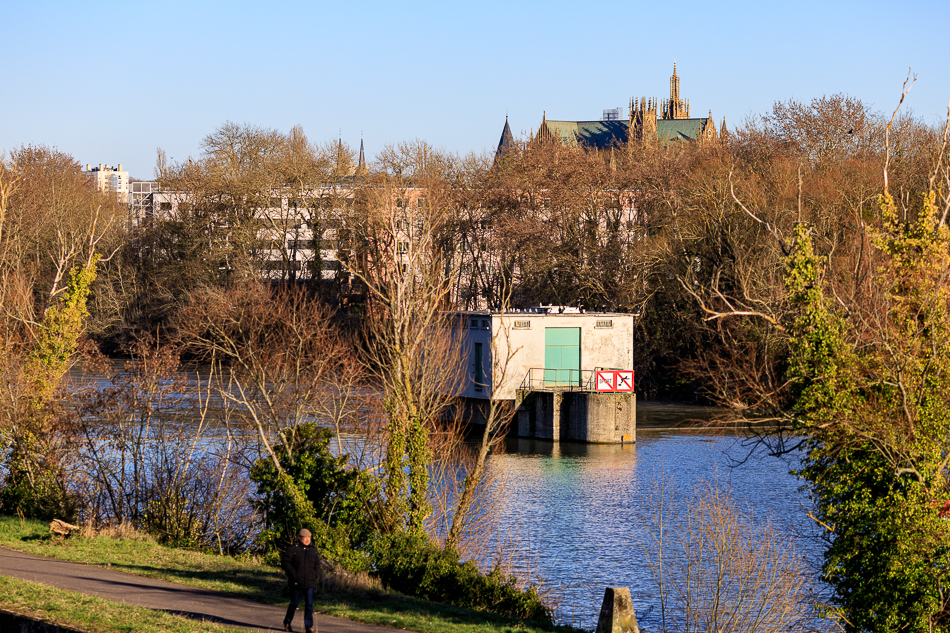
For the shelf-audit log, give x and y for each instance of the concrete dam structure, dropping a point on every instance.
(576, 416)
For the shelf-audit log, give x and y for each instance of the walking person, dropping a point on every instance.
(301, 563)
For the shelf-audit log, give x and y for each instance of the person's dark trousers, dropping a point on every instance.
(295, 595)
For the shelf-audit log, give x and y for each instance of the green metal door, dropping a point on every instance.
(562, 355)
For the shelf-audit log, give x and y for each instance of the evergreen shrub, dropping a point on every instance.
(415, 566)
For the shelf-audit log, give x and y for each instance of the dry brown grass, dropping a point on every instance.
(123, 531)
(337, 580)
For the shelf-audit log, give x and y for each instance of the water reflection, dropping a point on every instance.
(659, 415)
(580, 510)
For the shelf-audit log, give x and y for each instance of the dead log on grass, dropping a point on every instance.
(61, 527)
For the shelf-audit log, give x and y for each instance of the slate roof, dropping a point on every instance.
(597, 134)
(679, 129)
(505, 142)
(606, 134)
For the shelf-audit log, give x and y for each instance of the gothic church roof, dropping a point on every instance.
(680, 129)
(595, 134)
(506, 141)
(671, 125)
(606, 134)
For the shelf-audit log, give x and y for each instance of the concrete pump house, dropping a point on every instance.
(569, 373)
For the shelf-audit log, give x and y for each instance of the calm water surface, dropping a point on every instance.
(576, 513)
(579, 510)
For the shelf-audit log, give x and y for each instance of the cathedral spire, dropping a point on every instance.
(361, 165)
(674, 86)
(674, 108)
(506, 141)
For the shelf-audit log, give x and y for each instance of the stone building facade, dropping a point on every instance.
(649, 121)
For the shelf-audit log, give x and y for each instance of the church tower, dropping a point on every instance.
(505, 143)
(675, 108)
(642, 120)
(361, 165)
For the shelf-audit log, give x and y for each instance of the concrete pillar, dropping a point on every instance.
(557, 405)
(617, 614)
(596, 418)
(542, 411)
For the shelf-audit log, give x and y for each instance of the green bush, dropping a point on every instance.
(44, 496)
(172, 520)
(343, 499)
(413, 565)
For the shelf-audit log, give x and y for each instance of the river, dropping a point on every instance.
(575, 513)
(578, 511)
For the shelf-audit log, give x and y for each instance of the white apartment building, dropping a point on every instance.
(285, 232)
(108, 178)
(140, 200)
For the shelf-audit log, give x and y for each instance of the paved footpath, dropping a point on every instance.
(200, 604)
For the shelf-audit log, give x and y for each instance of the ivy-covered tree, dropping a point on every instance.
(862, 327)
(871, 377)
(52, 230)
(410, 352)
(342, 501)
(35, 481)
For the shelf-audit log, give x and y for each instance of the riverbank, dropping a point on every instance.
(62, 610)
(668, 414)
(245, 577)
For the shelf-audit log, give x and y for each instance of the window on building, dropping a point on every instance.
(479, 377)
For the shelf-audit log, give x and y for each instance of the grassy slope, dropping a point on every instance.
(95, 615)
(251, 579)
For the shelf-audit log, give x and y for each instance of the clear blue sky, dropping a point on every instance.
(111, 82)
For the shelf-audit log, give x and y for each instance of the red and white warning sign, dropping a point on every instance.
(609, 381)
(605, 381)
(624, 380)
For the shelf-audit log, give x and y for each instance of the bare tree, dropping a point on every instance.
(829, 128)
(149, 453)
(255, 203)
(410, 350)
(496, 414)
(278, 360)
(715, 569)
(54, 225)
(556, 224)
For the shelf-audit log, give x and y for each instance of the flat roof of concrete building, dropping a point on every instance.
(541, 310)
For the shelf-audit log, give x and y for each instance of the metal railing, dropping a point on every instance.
(544, 379)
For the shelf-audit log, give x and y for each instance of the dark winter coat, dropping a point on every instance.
(301, 563)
